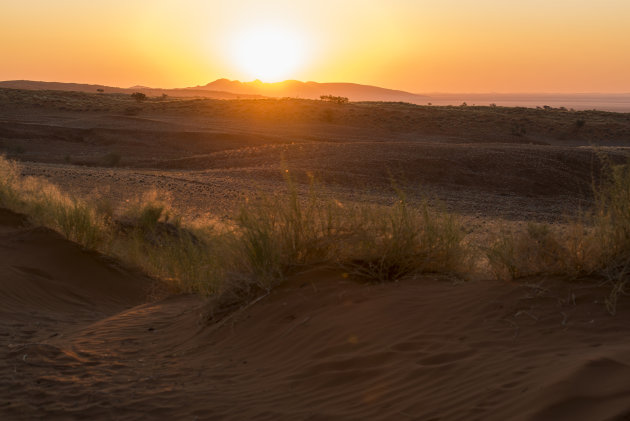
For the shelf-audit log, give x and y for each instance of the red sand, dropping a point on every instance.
(78, 340)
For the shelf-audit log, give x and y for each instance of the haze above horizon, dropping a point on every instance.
(416, 46)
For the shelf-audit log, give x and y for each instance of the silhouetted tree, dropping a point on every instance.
(335, 99)
(138, 96)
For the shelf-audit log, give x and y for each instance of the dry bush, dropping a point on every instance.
(596, 243)
(612, 230)
(541, 249)
(46, 205)
(280, 234)
(398, 241)
(151, 235)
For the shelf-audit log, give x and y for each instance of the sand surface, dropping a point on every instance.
(81, 340)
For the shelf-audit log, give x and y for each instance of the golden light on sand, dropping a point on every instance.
(269, 53)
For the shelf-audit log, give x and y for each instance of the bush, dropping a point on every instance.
(280, 234)
(335, 99)
(541, 249)
(395, 242)
(46, 205)
(595, 243)
(139, 96)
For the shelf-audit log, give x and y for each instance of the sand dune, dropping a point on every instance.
(80, 340)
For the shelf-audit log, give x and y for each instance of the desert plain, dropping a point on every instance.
(85, 335)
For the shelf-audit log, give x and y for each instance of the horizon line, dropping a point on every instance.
(353, 83)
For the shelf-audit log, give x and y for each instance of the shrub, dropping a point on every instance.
(280, 234)
(335, 99)
(139, 96)
(47, 206)
(395, 242)
(595, 243)
(538, 249)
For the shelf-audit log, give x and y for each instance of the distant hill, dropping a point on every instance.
(231, 89)
(313, 90)
(78, 87)
(228, 89)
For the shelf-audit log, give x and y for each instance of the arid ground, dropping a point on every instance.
(84, 336)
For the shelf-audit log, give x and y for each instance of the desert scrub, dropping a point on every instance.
(46, 205)
(279, 234)
(152, 236)
(596, 243)
(270, 238)
(612, 230)
(542, 249)
(393, 242)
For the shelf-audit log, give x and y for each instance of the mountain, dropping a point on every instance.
(228, 89)
(79, 87)
(313, 90)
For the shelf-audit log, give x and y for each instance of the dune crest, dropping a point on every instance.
(80, 340)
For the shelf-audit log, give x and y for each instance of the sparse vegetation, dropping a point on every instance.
(139, 96)
(398, 241)
(46, 205)
(596, 243)
(335, 99)
(274, 236)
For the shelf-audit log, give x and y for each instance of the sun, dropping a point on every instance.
(269, 53)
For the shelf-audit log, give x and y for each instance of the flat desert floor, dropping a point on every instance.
(84, 336)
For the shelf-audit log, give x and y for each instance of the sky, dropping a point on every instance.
(422, 46)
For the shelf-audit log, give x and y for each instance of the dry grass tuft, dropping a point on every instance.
(596, 243)
(398, 241)
(280, 234)
(47, 206)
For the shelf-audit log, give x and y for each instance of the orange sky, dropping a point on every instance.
(414, 45)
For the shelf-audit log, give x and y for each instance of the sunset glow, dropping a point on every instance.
(270, 54)
(419, 46)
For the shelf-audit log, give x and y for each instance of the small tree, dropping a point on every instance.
(100, 91)
(335, 99)
(138, 96)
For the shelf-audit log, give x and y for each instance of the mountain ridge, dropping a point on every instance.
(314, 90)
(229, 89)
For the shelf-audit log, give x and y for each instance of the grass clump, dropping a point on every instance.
(394, 242)
(152, 236)
(280, 234)
(541, 249)
(595, 243)
(612, 231)
(46, 205)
